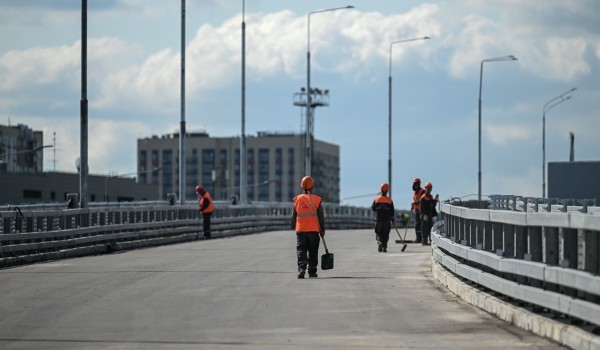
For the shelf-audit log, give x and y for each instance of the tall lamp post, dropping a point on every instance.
(182, 132)
(390, 110)
(308, 149)
(495, 59)
(549, 105)
(243, 136)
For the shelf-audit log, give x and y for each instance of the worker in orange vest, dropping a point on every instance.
(384, 207)
(427, 209)
(309, 223)
(206, 209)
(418, 192)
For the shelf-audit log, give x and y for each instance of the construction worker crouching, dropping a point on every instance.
(427, 206)
(418, 192)
(383, 206)
(309, 223)
(206, 209)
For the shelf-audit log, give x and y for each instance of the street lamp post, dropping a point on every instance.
(390, 110)
(243, 136)
(309, 122)
(495, 59)
(549, 105)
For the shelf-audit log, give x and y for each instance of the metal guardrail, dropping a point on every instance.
(536, 204)
(34, 235)
(546, 258)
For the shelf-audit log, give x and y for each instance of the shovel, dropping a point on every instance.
(327, 258)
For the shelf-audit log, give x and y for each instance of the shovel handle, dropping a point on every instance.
(315, 213)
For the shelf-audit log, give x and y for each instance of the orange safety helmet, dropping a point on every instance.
(199, 189)
(384, 187)
(428, 185)
(416, 180)
(307, 183)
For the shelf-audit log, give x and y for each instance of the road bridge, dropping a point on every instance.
(241, 292)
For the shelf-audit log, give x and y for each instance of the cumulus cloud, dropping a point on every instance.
(59, 65)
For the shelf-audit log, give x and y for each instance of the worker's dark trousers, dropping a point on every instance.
(206, 224)
(307, 243)
(426, 227)
(418, 224)
(382, 232)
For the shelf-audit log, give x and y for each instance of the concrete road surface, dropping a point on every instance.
(243, 293)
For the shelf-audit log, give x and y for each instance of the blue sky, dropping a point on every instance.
(133, 82)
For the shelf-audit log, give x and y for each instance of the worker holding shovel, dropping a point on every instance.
(309, 222)
(383, 206)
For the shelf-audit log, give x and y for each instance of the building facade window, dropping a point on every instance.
(251, 180)
(208, 165)
(167, 172)
(263, 175)
(291, 173)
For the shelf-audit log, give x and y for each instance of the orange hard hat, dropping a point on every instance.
(416, 180)
(384, 187)
(199, 189)
(428, 185)
(307, 183)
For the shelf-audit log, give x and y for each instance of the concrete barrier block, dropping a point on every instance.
(576, 338)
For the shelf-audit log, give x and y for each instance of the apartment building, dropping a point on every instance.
(274, 166)
(21, 149)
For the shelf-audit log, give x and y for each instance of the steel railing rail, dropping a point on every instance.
(40, 234)
(548, 258)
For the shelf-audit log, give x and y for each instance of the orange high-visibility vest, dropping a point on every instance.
(306, 214)
(210, 207)
(417, 197)
(383, 199)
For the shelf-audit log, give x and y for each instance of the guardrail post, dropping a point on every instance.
(472, 233)
(591, 246)
(478, 243)
(6, 225)
(461, 230)
(487, 236)
(534, 250)
(498, 238)
(520, 242)
(455, 229)
(551, 245)
(508, 241)
(568, 243)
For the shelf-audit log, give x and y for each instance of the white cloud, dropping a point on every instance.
(60, 65)
(504, 134)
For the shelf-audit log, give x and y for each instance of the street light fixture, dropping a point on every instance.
(549, 105)
(123, 175)
(309, 122)
(390, 110)
(495, 59)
